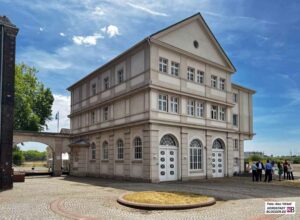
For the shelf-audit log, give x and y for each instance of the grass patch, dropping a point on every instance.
(165, 198)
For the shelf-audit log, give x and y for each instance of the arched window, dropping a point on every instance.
(105, 150)
(138, 151)
(196, 155)
(120, 150)
(168, 140)
(93, 151)
(218, 144)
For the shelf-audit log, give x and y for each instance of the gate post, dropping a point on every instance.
(57, 159)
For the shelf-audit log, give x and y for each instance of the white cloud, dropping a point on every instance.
(61, 104)
(98, 11)
(62, 34)
(41, 29)
(87, 40)
(149, 11)
(111, 30)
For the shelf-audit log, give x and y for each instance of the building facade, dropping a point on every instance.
(166, 109)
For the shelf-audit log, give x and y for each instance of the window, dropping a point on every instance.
(190, 73)
(163, 65)
(94, 89)
(120, 150)
(191, 107)
(218, 144)
(235, 97)
(106, 83)
(93, 117)
(163, 103)
(222, 84)
(168, 140)
(199, 109)
(174, 68)
(235, 161)
(138, 154)
(200, 77)
(195, 155)
(93, 151)
(236, 144)
(105, 113)
(174, 104)
(105, 150)
(120, 75)
(214, 81)
(235, 120)
(222, 113)
(214, 112)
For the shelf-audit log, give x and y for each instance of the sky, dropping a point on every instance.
(65, 40)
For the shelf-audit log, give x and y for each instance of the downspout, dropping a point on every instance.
(1, 75)
(206, 159)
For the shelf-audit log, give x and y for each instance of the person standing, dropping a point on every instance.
(290, 175)
(260, 167)
(280, 170)
(285, 169)
(254, 172)
(268, 174)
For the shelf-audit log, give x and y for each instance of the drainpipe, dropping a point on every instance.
(206, 153)
(1, 75)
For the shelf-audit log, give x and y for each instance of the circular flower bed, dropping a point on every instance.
(165, 200)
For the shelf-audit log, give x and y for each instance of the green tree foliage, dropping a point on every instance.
(34, 155)
(255, 157)
(18, 157)
(33, 101)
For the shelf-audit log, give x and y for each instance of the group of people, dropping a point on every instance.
(286, 169)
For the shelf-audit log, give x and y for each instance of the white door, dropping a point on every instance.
(217, 163)
(167, 163)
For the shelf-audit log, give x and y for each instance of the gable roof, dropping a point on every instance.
(152, 36)
(213, 38)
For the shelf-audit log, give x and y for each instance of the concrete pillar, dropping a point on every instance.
(183, 157)
(57, 171)
(241, 154)
(208, 155)
(153, 154)
(127, 153)
(111, 155)
(230, 156)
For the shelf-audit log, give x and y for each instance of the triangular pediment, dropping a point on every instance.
(194, 29)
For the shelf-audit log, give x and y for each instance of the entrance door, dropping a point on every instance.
(218, 163)
(167, 163)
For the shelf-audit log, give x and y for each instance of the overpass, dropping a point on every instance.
(58, 142)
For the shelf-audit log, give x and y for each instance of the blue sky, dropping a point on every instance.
(66, 40)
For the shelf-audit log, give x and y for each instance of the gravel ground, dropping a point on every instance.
(91, 198)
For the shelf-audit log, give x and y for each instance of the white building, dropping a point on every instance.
(166, 109)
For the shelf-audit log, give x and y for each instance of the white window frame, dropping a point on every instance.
(222, 84)
(94, 89)
(138, 148)
(174, 104)
(236, 144)
(237, 120)
(222, 113)
(93, 151)
(120, 149)
(190, 73)
(235, 97)
(93, 117)
(214, 81)
(105, 150)
(120, 75)
(214, 112)
(175, 68)
(106, 83)
(105, 113)
(199, 109)
(163, 102)
(200, 77)
(195, 152)
(163, 65)
(191, 107)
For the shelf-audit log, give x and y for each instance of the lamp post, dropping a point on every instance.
(8, 33)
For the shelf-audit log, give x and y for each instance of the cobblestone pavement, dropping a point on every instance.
(91, 198)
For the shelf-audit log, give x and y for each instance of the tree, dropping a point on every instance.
(33, 102)
(18, 157)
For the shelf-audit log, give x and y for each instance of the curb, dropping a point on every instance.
(146, 206)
